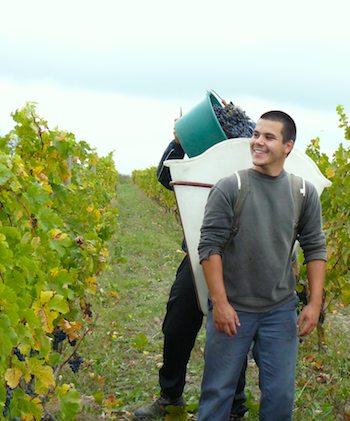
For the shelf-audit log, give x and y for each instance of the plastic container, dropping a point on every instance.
(199, 129)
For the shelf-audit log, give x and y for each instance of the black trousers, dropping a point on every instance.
(181, 325)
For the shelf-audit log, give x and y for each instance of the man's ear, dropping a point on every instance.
(289, 146)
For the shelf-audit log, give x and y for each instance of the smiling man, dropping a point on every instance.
(250, 277)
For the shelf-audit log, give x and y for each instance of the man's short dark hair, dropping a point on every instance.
(289, 131)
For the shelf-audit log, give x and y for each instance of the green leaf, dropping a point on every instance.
(99, 396)
(69, 405)
(54, 358)
(58, 303)
(140, 341)
(5, 174)
(345, 296)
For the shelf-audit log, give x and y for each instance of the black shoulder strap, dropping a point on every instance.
(243, 190)
(298, 190)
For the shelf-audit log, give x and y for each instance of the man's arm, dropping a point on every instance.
(225, 318)
(310, 314)
(173, 151)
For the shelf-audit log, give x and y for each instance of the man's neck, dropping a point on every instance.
(271, 171)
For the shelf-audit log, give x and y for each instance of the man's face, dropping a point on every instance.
(267, 148)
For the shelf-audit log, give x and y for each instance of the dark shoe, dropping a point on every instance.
(158, 408)
(238, 410)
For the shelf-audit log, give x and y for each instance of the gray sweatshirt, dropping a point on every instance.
(257, 266)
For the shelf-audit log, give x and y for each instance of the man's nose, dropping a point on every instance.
(260, 139)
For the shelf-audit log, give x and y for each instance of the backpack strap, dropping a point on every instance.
(298, 190)
(243, 190)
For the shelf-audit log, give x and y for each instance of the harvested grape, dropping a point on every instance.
(234, 121)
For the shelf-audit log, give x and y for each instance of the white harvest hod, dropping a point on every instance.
(193, 178)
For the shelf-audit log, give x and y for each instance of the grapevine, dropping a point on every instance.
(336, 213)
(148, 182)
(56, 214)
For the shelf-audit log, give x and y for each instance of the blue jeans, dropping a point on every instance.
(275, 349)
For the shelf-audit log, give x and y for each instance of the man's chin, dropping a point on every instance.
(258, 162)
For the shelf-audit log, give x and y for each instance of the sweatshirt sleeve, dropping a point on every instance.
(173, 151)
(217, 224)
(310, 235)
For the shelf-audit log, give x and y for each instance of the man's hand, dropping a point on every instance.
(174, 131)
(175, 136)
(225, 318)
(308, 319)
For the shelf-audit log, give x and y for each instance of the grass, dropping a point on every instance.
(123, 353)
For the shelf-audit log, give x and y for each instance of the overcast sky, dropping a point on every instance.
(115, 73)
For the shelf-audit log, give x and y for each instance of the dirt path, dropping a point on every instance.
(125, 349)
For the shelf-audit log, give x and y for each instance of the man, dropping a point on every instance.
(250, 278)
(181, 325)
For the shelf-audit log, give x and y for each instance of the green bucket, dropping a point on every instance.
(199, 129)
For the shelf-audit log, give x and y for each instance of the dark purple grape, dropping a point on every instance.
(58, 337)
(28, 389)
(18, 354)
(9, 395)
(72, 342)
(75, 362)
(234, 121)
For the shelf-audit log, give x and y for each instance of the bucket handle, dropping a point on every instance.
(222, 99)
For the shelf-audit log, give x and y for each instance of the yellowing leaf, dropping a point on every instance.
(44, 375)
(57, 234)
(61, 237)
(43, 177)
(37, 170)
(48, 188)
(63, 390)
(54, 154)
(66, 176)
(91, 283)
(70, 328)
(12, 376)
(98, 215)
(47, 317)
(45, 296)
(345, 296)
(23, 173)
(330, 173)
(104, 252)
(54, 272)
(90, 208)
(111, 401)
